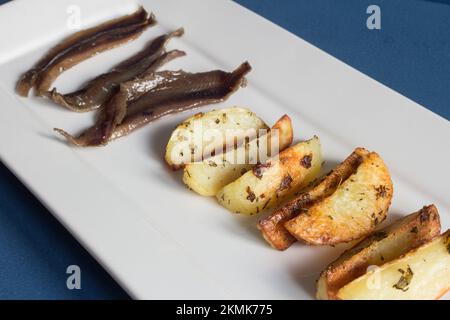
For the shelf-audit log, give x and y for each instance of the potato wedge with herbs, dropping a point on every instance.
(273, 181)
(200, 135)
(272, 227)
(382, 246)
(352, 211)
(421, 274)
(212, 174)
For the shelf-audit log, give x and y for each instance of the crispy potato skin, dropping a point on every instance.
(354, 209)
(284, 132)
(212, 174)
(429, 275)
(272, 227)
(270, 183)
(234, 118)
(382, 246)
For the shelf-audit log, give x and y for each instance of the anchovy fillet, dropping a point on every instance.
(100, 89)
(81, 46)
(153, 96)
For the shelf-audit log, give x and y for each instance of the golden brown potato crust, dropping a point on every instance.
(209, 176)
(274, 181)
(352, 211)
(382, 246)
(422, 273)
(272, 227)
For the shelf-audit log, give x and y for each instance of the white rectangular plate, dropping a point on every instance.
(156, 238)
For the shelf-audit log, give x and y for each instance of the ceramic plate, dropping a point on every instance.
(156, 238)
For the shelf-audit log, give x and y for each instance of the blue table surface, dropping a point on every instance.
(411, 54)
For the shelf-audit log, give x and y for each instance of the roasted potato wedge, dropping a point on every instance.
(269, 183)
(352, 211)
(189, 141)
(212, 174)
(382, 246)
(421, 274)
(272, 227)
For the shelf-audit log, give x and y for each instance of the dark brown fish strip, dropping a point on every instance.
(177, 91)
(81, 46)
(109, 117)
(157, 95)
(100, 89)
(113, 112)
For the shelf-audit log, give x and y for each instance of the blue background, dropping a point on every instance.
(411, 54)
